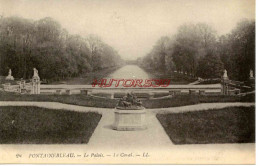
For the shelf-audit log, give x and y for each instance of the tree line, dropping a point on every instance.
(197, 50)
(45, 45)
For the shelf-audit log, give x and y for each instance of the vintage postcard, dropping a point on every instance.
(127, 82)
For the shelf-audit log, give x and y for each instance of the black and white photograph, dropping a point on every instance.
(127, 82)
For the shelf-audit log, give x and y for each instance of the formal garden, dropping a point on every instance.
(210, 99)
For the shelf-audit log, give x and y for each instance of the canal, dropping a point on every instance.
(129, 72)
(125, 72)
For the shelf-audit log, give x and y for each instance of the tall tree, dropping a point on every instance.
(242, 40)
(44, 44)
(210, 66)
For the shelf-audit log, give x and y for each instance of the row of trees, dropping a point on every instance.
(45, 45)
(196, 50)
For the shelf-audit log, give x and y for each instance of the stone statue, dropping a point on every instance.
(251, 74)
(10, 72)
(225, 74)
(35, 73)
(129, 101)
(9, 77)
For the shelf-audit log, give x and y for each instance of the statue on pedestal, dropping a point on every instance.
(129, 114)
(225, 83)
(35, 82)
(9, 77)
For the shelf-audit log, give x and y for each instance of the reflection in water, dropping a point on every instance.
(129, 72)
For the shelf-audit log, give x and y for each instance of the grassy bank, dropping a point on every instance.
(89, 101)
(228, 125)
(33, 125)
(176, 78)
(88, 78)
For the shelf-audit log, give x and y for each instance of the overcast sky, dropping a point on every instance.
(132, 26)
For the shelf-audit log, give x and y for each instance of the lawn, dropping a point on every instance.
(90, 101)
(33, 125)
(228, 125)
(80, 99)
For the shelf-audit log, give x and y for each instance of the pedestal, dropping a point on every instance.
(126, 120)
(252, 82)
(35, 87)
(36, 83)
(225, 86)
(9, 77)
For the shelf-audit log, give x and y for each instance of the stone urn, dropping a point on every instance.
(129, 114)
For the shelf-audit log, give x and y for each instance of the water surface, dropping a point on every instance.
(129, 72)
